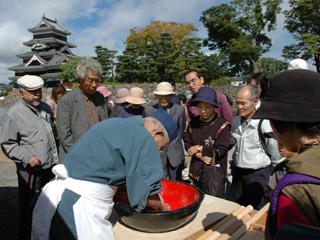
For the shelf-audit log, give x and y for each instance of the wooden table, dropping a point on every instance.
(211, 210)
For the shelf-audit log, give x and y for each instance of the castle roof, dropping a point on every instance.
(47, 24)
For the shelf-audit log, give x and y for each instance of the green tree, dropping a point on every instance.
(238, 31)
(271, 66)
(68, 70)
(303, 21)
(106, 58)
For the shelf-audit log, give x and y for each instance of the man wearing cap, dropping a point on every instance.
(81, 108)
(194, 82)
(251, 160)
(173, 156)
(27, 138)
(95, 167)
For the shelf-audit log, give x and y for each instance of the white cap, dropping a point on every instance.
(30, 82)
(298, 63)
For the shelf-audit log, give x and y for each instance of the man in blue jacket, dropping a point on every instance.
(118, 151)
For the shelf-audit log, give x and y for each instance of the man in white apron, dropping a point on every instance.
(77, 204)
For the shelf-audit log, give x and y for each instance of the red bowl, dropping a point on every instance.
(184, 201)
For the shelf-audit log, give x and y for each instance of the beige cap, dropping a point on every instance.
(164, 88)
(135, 96)
(30, 82)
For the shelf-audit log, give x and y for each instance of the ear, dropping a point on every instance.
(159, 133)
(202, 80)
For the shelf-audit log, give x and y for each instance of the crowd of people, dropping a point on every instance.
(73, 152)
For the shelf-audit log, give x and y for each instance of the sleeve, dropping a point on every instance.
(288, 213)
(10, 142)
(144, 171)
(182, 122)
(226, 109)
(187, 139)
(64, 123)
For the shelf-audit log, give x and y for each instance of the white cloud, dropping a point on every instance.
(97, 22)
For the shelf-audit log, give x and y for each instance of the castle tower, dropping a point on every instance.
(49, 49)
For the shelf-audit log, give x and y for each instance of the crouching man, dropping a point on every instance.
(78, 203)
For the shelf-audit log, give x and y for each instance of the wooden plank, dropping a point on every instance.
(212, 210)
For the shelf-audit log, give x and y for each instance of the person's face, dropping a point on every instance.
(164, 100)
(90, 83)
(284, 152)
(32, 97)
(193, 82)
(206, 111)
(287, 143)
(255, 83)
(245, 104)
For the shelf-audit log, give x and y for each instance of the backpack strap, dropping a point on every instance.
(262, 138)
(287, 180)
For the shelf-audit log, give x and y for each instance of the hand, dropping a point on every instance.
(34, 162)
(206, 160)
(194, 149)
(156, 203)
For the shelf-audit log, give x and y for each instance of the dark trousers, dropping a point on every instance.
(28, 187)
(169, 171)
(250, 186)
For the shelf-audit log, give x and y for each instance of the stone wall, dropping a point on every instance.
(148, 89)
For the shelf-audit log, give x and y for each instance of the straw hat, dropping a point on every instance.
(121, 95)
(164, 88)
(135, 96)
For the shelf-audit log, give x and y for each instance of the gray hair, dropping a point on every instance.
(253, 89)
(157, 126)
(87, 64)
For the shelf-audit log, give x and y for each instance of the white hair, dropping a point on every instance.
(157, 126)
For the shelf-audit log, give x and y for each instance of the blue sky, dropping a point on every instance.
(102, 22)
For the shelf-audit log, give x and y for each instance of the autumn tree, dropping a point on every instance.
(303, 21)
(160, 51)
(238, 31)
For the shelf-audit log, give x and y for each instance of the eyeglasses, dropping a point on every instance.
(192, 81)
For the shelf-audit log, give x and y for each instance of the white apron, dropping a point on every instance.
(91, 211)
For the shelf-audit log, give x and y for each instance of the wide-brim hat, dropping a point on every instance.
(136, 96)
(205, 94)
(164, 88)
(292, 96)
(104, 91)
(30, 82)
(121, 95)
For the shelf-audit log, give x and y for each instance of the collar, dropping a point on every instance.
(307, 162)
